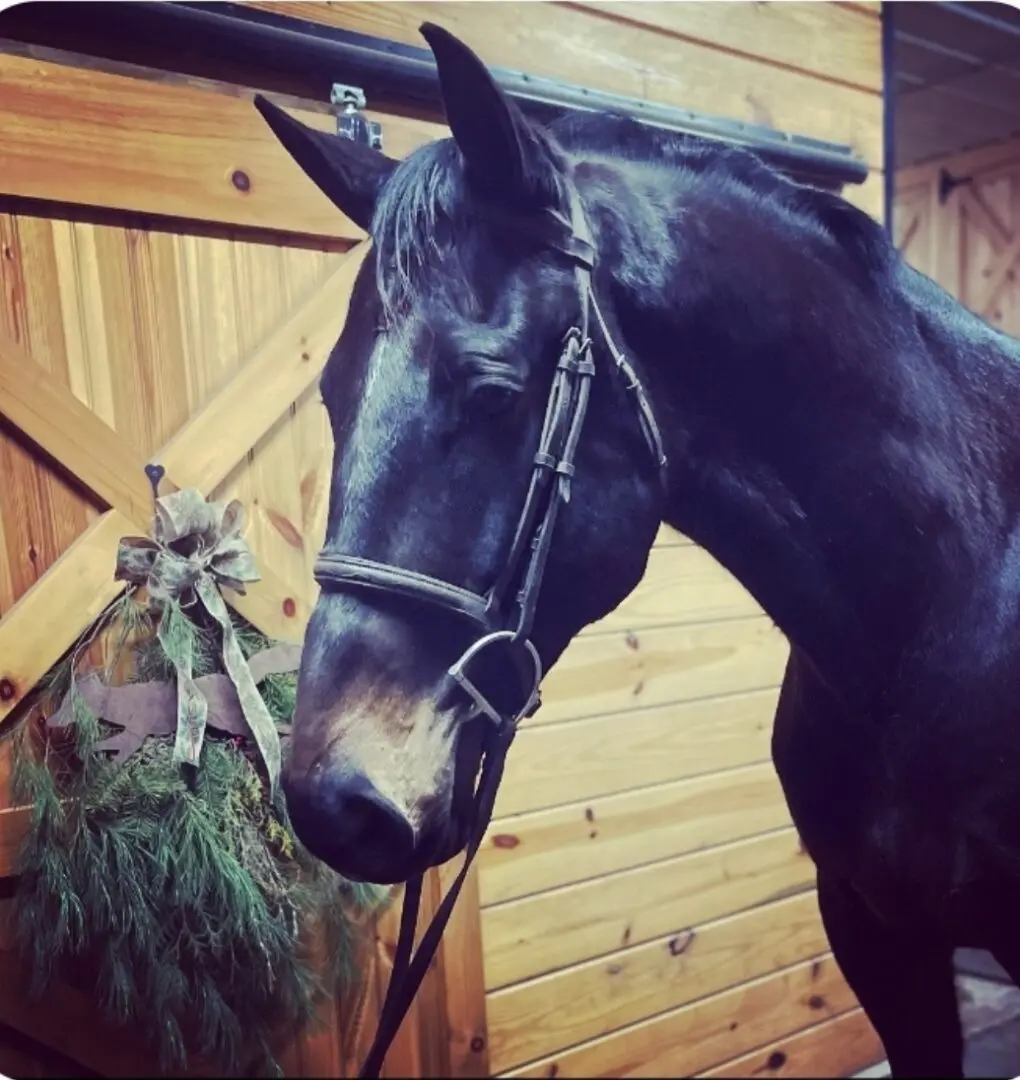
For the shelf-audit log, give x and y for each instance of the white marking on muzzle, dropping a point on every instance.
(410, 763)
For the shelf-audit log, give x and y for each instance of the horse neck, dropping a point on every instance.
(828, 443)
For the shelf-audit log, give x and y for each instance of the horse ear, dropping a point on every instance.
(503, 150)
(349, 174)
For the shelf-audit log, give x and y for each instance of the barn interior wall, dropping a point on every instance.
(642, 904)
(966, 234)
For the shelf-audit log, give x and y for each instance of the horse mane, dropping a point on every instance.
(739, 169)
(425, 224)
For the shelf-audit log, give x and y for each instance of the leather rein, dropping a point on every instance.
(498, 618)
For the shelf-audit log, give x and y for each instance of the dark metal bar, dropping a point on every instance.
(405, 69)
(204, 37)
(889, 93)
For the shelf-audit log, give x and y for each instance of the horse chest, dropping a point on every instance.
(855, 828)
(923, 828)
(826, 780)
(865, 814)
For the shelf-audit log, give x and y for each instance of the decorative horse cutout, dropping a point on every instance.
(837, 431)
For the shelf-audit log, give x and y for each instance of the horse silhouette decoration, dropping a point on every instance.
(561, 338)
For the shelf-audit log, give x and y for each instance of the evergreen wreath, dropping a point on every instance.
(160, 872)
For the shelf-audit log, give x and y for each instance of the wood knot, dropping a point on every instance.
(477, 1044)
(816, 1001)
(681, 943)
(507, 841)
(306, 356)
(289, 607)
(632, 640)
(241, 180)
(8, 691)
(775, 1060)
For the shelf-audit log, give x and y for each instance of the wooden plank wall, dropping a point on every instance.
(970, 241)
(642, 905)
(646, 907)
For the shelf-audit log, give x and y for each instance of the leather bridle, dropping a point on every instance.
(499, 617)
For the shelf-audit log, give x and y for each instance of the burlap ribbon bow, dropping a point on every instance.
(197, 548)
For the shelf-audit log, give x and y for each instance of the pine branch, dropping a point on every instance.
(186, 894)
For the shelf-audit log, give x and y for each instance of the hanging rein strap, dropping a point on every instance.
(409, 970)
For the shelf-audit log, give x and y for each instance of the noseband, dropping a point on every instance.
(501, 618)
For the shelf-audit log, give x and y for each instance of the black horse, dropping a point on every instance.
(836, 430)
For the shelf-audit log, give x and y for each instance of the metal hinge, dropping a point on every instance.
(949, 183)
(349, 120)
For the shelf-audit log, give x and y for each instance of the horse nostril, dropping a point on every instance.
(343, 819)
(364, 816)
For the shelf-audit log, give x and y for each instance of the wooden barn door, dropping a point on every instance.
(958, 220)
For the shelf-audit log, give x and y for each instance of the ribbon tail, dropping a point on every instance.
(252, 706)
(192, 708)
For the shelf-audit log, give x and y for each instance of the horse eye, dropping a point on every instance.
(491, 399)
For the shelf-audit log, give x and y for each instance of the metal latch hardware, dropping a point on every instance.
(349, 120)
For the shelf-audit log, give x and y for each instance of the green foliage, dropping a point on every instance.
(182, 891)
